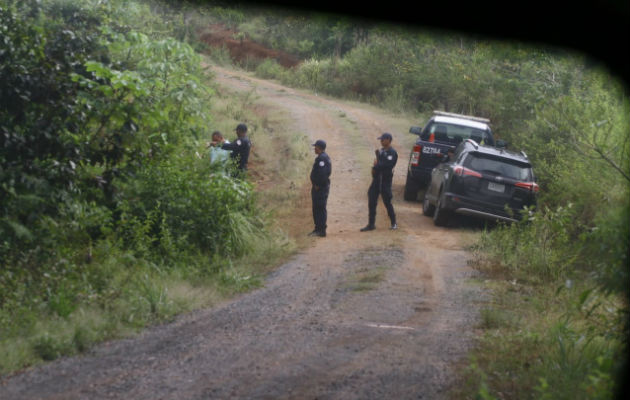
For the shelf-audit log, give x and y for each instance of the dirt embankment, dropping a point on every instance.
(242, 48)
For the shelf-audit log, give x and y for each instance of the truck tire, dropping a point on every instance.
(441, 216)
(411, 189)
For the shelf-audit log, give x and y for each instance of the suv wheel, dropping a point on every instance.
(441, 215)
(428, 209)
(411, 189)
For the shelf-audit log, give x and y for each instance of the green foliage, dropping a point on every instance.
(540, 247)
(38, 153)
(188, 201)
(50, 348)
(105, 208)
(220, 56)
(270, 69)
(608, 247)
(585, 359)
(305, 35)
(111, 100)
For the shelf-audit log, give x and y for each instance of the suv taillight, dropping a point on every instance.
(531, 186)
(461, 171)
(415, 155)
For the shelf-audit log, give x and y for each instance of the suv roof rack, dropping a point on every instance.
(473, 118)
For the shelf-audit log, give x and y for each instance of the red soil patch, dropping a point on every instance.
(241, 50)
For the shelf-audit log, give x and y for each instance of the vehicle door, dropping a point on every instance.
(436, 144)
(439, 175)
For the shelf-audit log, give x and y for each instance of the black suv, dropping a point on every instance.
(480, 181)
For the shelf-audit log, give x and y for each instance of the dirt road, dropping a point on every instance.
(357, 315)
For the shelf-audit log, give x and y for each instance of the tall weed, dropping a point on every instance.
(542, 246)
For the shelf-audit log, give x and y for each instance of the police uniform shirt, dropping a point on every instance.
(386, 162)
(320, 173)
(240, 150)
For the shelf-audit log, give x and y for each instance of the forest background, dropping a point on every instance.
(109, 223)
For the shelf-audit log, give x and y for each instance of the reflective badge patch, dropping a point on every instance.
(390, 158)
(321, 163)
(238, 142)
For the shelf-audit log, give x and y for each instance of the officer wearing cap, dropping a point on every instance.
(239, 148)
(382, 175)
(320, 179)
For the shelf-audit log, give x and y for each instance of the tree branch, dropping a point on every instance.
(611, 162)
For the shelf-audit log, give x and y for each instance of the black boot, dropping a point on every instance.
(368, 227)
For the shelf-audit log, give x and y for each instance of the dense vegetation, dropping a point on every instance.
(102, 104)
(108, 215)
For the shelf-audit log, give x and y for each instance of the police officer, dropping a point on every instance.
(320, 179)
(382, 174)
(239, 148)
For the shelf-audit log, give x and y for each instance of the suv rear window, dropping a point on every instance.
(454, 134)
(488, 164)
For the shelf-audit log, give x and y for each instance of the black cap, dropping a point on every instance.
(385, 136)
(320, 143)
(241, 127)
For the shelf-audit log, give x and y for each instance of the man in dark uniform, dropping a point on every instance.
(320, 179)
(239, 148)
(382, 174)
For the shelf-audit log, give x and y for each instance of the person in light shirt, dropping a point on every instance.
(218, 154)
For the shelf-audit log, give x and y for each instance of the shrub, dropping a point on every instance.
(269, 69)
(183, 201)
(540, 247)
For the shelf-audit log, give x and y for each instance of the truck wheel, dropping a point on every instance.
(411, 189)
(440, 216)
(428, 209)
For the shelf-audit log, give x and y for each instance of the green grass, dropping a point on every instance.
(543, 341)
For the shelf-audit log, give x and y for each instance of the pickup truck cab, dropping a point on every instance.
(442, 132)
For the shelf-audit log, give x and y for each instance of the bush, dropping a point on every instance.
(187, 202)
(269, 69)
(545, 245)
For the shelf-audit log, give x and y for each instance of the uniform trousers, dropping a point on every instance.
(384, 188)
(319, 198)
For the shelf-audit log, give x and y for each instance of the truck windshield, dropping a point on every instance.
(454, 134)
(487, 164)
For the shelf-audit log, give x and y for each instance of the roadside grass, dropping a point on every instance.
(134, 301)
(552, 340)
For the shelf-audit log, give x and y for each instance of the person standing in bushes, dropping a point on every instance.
(382, 175)
(217, 154)
(239, 148)
(320, 179)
